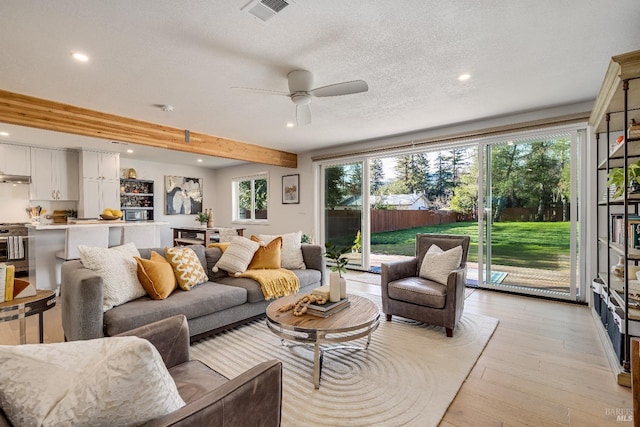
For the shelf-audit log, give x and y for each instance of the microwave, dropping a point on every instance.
(136, 215)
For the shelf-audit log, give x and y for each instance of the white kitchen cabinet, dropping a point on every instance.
(14, 160)
(100, 183)
(96, 164)
(54, 174)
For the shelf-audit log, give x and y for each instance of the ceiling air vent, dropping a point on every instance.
(265, 9)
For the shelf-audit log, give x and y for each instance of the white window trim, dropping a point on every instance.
(234, 192)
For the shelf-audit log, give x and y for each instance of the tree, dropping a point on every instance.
(506, 182)
(413, 171)
(543, 170)
(459, 159)
(377, 175)
(395, 187)
(442, 179)
(334, 192)
(353, 179)
(465, 193)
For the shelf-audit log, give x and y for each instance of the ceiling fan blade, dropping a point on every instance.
(303, 115)
(344, 88)
(260, 91)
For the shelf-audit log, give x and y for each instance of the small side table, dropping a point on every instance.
(21, 308)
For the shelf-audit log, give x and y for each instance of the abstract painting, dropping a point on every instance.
(183, 196)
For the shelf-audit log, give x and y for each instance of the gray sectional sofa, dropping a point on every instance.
(218, 304)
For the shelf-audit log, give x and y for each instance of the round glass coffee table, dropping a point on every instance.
(358, 320)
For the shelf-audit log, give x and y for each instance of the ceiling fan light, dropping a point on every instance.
(301, 98)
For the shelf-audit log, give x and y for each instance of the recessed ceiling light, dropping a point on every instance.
(4, 133)
(464, 77)
(129, 151)
(80, 57)
(199, 160)
(290, 125)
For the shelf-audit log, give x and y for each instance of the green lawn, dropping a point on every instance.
(543, 245)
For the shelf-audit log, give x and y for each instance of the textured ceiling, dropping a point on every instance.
(522, 55)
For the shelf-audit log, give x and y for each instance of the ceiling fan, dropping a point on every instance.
(301, 92)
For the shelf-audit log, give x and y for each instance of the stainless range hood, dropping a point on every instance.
(15, 179)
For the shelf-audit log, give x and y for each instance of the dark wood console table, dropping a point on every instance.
(180, 239)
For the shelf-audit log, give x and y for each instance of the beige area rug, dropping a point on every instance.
(408, 376)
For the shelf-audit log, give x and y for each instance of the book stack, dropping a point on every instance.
(12, 288)
(7, 273)
(616, 230)
(328, 308)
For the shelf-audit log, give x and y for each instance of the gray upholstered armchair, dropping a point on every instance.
(406, 294)
(253, 398)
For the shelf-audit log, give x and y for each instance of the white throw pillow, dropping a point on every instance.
(236, 258)
(118, 381)
(292, 258)
(119, 271)
(437, 264)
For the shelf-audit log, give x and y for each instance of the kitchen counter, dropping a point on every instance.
(96, 223)
(47, 240)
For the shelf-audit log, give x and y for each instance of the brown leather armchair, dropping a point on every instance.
(406, 294)
(253, 398)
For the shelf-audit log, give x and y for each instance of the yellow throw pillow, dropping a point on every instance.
(222, 246)
(186, 266)
(267, 256)
(156, 276)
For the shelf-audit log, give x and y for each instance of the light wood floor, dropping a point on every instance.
(544, 365)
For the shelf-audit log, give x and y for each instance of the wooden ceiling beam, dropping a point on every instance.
(39, 113)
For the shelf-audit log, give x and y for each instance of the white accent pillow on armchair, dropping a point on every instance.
(437, 264)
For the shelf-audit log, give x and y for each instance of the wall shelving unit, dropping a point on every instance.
(136, 198)
(614, 300)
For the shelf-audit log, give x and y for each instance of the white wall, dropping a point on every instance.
(156, 172)
(282, 218)
(14, 200)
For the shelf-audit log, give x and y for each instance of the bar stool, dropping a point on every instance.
(143, 236)
(80, 235)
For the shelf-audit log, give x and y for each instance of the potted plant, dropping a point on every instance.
(337, 283)
(357, 243)
(616, 177)
(202, 218)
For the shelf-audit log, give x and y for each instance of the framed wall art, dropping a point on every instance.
(291, 189)
(183, 196)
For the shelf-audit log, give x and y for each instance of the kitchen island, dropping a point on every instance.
(47, 240)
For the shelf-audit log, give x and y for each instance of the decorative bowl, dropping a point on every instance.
(109, 217)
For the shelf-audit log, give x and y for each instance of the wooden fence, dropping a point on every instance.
(347, 222)
(391, 220)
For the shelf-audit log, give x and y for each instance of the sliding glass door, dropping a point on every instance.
(529, 223)
(515, 197)
(342, 206)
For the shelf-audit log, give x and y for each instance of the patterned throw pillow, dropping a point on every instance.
(156, 276)
(118, 269)
(268, 256)
(186, 266)
(437, 264)
(116, 381)
(292, 258)
(236, 258)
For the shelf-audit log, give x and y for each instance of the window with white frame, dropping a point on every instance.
(250, 198)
